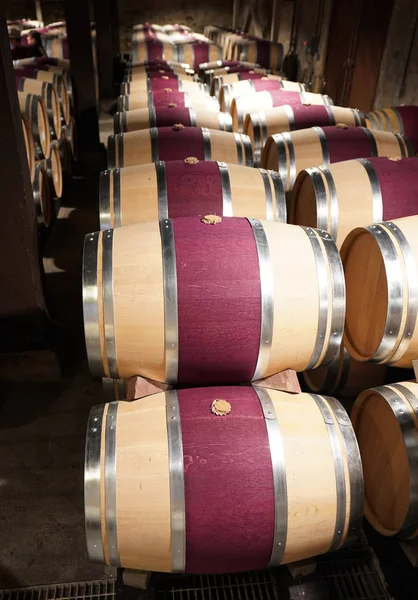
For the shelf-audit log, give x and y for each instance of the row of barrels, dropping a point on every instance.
(48, 129)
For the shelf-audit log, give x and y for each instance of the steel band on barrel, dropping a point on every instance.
(279, 477)
(268, 195)
(155, 152)
(176, 474)
(152, 116)
(324, 145)
(111, 151)
(326, 255)
(161, 190)
(280, 196)
(248, 150)
(287, 138)
(240, 112)
(401, 408)
(320, 197)
(207, 151)
(117, 207)
(355, 471)
(92, 485)
(372, 140)
(256, 123)
(91, 304)
(333, 201)
(170, 300)
(110, 485)
(108, 312)
(331, 117)
(239, 147)
(104, 200)
(281, 154)
(227, 210)
(375, 187)
(340, 484)
(192, 116)
(267, 299)
(118, 143)
(290, 116)
(113, 389)
(412, 292)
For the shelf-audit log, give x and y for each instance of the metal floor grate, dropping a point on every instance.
(257, 585)
(85, 590)
(353, 580)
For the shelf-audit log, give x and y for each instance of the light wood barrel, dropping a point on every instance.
(251, 86)
(260, 125)
(220, 80)
(154, 51)
(263, 52)
(344, 376)
(255, 102)
(188, 188)
(52, 166)
(42, 196)
(33, 106)
(271, 326)
(157, 471)
(146, 86)
(49, 94)
(291, 153)
(159, 116)
(61, 86)
(138, 73)
(355, 193)
(400, 119)
(56, 47)
(166, 98)
(197, 53)
(385, 422)
(133, 65)
(381, 273)
(29, 144)
(178, 143)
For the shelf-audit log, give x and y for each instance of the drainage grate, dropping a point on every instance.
(353, 580)
(85, 590)
(257, 585)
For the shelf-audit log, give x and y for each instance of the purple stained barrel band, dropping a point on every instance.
(193, 188)
(161, 98)
(310, 116)
(166, 116)
(236, 479)
(347, 143)
(178, 144)
(201, 54)
(218, 338)
(160, 84)
(270, 85)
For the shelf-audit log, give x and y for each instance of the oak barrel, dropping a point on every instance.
(244, 105)
(29, 145)
(172, 486)
(139, 87)
(164, 98)
(42, 196)
(165, 116)
(151, 50)
(33, 106)
(178, 143)
(381, 272)
(263, 52)
(189, 188)
(49, 94)
(60, 84)
(180, 319)
(260, 125)
(344, 376)
(52, 166)
(291, 153)
(221, 77)
(353, 193)
(400, 119)
(385, 422)
(252, 86)
(196, 53)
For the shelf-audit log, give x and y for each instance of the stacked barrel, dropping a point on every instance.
(45, 97)
(197, 282)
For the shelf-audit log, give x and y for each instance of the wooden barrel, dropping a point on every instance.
(197, 53)
(189, 188)
(160, 116)
(152, 50)
(381, 274)
(165, 98)
(49, 94)
(42, 196)
(251, 86)
(219, 80)
(294, 486)
(355, 193)
(344, 376)
(29, 145)
(165, 82)
(291, 153)
(56, 47)
(178, 143)
(385, 422)
(33, 107)
(113, 389)
(52, 166)
(155, 71)
(254, 102)
(159, 328)
(259, 125)
(263, 52)
(133, 65)
(60, 85)
(402, 119)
